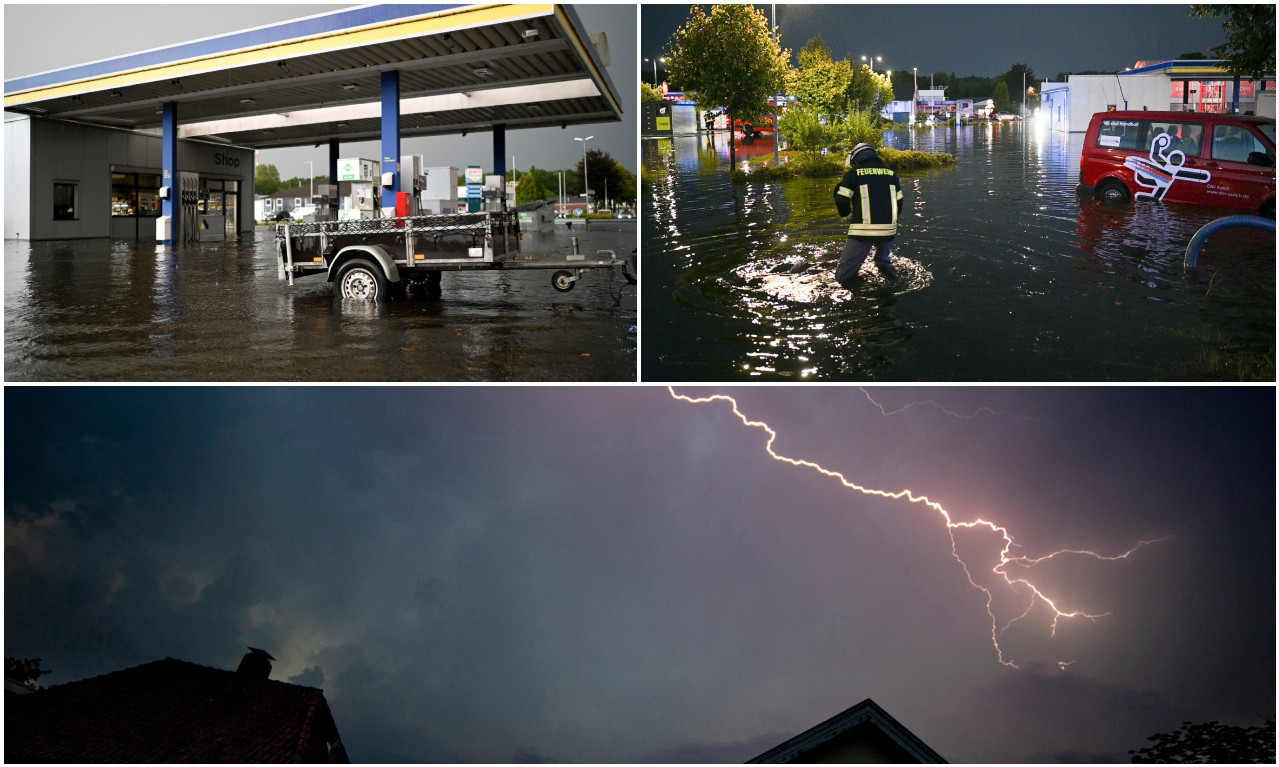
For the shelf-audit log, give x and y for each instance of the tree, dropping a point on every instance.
(1001, 97)
(529, 188)
(821, 83)
(627, 191)
(1211, 742)
(869, 91)
(731, 59)
(1250, 37)
(649, 94)
(26, 671)
(266, 179)
(1017, 77)
(605, 175)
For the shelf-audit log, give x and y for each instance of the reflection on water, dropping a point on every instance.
(101, 310)
(1000, 272)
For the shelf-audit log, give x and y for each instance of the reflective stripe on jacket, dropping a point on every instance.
(872, 194)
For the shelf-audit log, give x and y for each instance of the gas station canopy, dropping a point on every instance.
(461, 67)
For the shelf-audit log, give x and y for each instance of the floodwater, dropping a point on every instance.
(101, 310)
(1000, 273)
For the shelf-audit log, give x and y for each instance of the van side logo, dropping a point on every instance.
(1163, 168)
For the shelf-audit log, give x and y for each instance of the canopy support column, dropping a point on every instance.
(171, 205)
(390, 135)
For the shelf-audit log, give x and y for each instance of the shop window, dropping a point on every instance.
(124, 195)
(64, 201)
(135, 194)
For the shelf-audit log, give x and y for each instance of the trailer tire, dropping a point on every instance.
(563, 281)
(361, 279)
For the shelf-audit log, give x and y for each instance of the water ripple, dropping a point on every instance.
(1000, 272)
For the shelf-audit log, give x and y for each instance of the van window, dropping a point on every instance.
(1233, 143)
(1121, 134)
(1187, 137)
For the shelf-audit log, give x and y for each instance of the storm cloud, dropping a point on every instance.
(606, 574)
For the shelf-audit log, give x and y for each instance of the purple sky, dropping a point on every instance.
(608, 574)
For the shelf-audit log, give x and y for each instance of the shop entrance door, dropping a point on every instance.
(232, 227)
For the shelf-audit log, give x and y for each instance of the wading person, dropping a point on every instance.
(869, 197)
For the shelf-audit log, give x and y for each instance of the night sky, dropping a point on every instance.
(609, 574)
(983, 40)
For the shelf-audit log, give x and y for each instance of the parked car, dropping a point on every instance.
(1227, 161)
(282, 215)
(625, 214)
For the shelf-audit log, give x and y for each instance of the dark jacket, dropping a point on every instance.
(872, 193)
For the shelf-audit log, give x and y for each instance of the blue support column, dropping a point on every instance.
(499, 158)
(391, 133)
(499, 150)
(169, 165)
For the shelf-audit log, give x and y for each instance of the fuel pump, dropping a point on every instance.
(189, 210)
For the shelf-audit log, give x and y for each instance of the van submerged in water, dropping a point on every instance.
(1227, 161)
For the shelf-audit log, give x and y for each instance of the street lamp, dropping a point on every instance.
(655, 60)
(914, 99)
(586, 192)
(871, 60)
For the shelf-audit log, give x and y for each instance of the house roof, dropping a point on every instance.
(865, 721)
(171, 711)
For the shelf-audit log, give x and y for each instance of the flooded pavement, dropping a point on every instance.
(1000, 273)
(100, 310)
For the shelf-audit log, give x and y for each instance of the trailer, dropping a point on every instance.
(376, 259)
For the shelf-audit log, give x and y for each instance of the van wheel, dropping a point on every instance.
(362, 280)
(1113, 191)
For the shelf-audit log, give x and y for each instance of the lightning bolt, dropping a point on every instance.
(1018, 583)
(940, 407)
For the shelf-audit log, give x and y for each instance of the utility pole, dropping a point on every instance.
(776, 133)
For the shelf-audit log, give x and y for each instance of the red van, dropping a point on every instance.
(1205, 159)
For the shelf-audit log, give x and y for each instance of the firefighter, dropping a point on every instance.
(869, 197)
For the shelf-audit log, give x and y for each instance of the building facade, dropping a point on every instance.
(70, 180)
(1187, 86)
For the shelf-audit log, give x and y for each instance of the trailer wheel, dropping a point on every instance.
(362, 280)
(1111, 190)
(563, 281)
